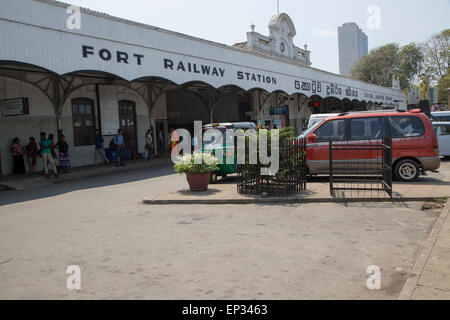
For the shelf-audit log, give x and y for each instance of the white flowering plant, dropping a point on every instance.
(196, 163)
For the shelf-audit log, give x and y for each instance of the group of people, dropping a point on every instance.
(46, 150)
(118, 143)
(150, 144)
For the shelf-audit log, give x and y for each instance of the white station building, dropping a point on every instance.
(112, 73)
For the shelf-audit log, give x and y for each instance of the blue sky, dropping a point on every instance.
(316, 21)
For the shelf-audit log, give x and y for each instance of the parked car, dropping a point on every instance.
(441, 116)
(443, 136)
(414, 142)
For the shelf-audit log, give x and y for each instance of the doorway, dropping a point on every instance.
(127, 120)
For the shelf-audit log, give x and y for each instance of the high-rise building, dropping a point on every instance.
(353, 45)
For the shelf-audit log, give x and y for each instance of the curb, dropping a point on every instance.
(411, 283)
(277, 201)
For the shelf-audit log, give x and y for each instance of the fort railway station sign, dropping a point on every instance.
(35, 32)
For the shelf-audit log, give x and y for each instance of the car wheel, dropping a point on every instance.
(407, 170)
(213, 179)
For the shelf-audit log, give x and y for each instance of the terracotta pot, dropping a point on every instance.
(198, 181)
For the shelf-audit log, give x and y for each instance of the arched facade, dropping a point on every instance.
(182, 79)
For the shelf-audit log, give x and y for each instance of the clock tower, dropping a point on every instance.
(282, 33)
(280, 41)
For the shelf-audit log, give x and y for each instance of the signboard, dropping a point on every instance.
(131, 52)
(14, 107)
(278, 111)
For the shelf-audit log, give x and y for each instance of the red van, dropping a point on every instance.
(414, 143)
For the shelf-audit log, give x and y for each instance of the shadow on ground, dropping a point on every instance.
(207, 193)
(16, 196)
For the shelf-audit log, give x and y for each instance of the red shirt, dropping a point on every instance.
(16, 149)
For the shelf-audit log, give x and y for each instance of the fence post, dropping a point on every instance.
(330, 143)
(387, 142)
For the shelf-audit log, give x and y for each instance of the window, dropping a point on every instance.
(334, 130)
(83, 122)
(406, 127)
(442, 118)
(445, 130)
(367, 128)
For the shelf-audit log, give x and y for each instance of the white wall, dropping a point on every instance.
(41, 118)
(36, 34)
(159, 111)
(142, 114)
(81, 156)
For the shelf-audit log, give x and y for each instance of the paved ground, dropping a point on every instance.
(432, 269)
(432, 185)
(38, 180)
(134, 251)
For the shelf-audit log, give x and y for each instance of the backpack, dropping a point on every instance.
(112, 144)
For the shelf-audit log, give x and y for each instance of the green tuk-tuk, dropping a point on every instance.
(228, 147)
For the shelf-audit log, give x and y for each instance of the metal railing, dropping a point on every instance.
(361, 169)
(289, 180)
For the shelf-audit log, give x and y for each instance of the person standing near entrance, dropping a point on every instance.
(160, 141)
(17, 153)
(31, 151)
(119, 143)
(53, 151)
(46, 153)
(149, 143)
(99, 147)
(64, 158)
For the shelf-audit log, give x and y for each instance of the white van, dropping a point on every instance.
(316, 118)
(443, 135)
(441, 116)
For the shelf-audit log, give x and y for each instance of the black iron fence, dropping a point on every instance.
(361, 169)
(289, 180)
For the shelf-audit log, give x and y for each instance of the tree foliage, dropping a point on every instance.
(410, 64)
(444, 83)
(382, 64)
(378, 66)
(436, 51)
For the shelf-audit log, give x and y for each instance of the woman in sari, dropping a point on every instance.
(64, 158)
(17, 153)
(31, 151)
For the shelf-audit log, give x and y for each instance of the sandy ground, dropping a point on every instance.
(128, 250)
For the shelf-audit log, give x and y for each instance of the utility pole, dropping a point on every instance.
(278, 6)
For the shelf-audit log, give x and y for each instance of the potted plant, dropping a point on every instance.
(198, 168)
